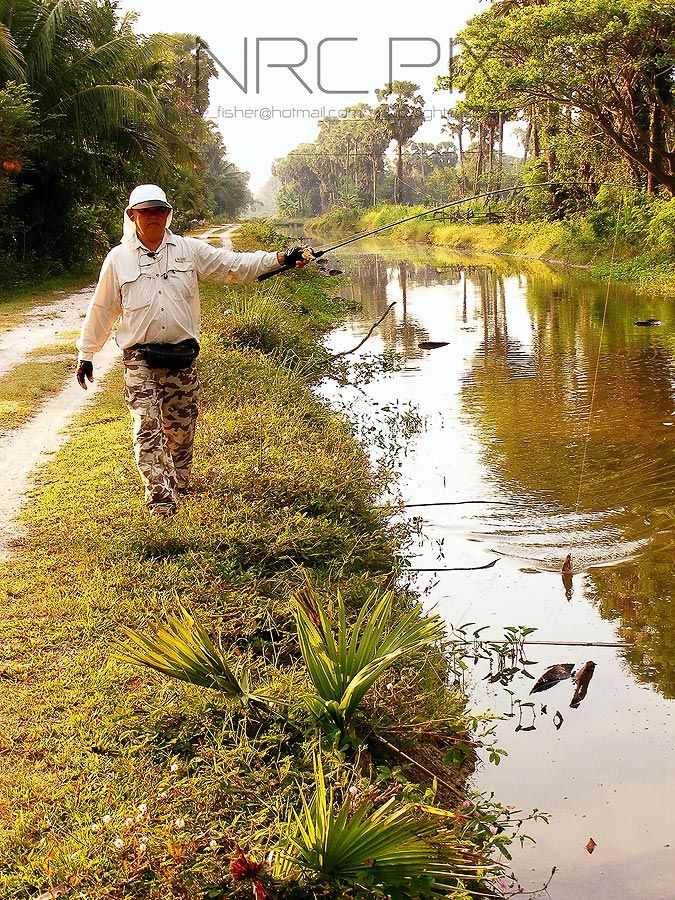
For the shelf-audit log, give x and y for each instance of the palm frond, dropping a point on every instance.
(342, 662)
(49, 22)
(305, 598)
(105, 106)
(12, 63)
(121, 54)
(182, 649)
(388, 846)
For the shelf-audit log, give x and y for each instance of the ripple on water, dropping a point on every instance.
(542, 537)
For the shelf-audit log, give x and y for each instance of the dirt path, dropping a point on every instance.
(42, 326)
(224, 232)
(25, 449)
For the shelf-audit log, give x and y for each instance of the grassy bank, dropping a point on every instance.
(26, 386)
(117, 782)
(644, 254)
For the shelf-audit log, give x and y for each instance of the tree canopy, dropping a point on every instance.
(88, 109)
(599, 70)
(347, 165)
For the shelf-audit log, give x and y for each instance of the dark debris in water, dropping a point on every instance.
(552, 676)
(582, 679)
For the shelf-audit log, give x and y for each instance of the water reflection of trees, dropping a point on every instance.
(530, 406)
(376, 284)
(534, 429)
(640, 597)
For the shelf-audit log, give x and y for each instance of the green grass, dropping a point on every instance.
(184, 774)
(26, 386)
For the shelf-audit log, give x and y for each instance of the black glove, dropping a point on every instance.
(84, 370)
(298, 254)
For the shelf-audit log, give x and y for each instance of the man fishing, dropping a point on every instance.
(150, 283)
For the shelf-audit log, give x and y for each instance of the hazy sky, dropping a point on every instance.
(277, 111)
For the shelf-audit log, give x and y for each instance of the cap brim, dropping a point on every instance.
(151, 204)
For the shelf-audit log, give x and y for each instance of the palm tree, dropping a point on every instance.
(95, 89)
(401, 109)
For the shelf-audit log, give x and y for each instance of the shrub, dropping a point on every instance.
(661, 229)
(622, 210)
(260, 320)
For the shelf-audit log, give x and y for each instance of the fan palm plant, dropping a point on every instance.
(393, 846)
(182, 649)
(344, 665)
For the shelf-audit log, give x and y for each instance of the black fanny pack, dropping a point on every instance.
(170, 356)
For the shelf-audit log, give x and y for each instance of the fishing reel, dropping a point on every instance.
(294, 256)
(299, 254)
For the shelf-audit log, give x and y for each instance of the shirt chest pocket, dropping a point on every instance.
(136, 293)
(181, 280)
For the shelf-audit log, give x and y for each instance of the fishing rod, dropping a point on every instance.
(311, 255)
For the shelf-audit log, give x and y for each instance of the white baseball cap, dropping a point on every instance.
(148, 196)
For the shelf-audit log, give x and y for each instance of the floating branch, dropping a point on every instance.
(372, 329)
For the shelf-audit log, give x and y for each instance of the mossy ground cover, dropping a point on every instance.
(118, 783)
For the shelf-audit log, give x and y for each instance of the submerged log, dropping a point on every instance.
(582, 679)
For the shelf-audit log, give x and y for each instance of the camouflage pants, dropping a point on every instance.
(164, 406)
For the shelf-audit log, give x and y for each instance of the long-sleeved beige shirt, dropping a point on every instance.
(156, 295)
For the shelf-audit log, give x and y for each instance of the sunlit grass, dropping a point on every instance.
(29, 384)
(95, 562)
(101, 759)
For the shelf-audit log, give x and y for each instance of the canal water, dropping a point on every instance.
(548, 422)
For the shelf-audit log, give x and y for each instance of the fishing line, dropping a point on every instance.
(611, 645)
(597, 361)
(459, 503)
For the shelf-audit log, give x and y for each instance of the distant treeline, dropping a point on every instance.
(589, 82)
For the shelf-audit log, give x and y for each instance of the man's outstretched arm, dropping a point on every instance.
(222, 265)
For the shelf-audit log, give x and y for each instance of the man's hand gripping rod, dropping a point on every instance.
(306, 254)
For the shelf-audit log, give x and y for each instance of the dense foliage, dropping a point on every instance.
(347, 165)
(592, 79)
(88, 109)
